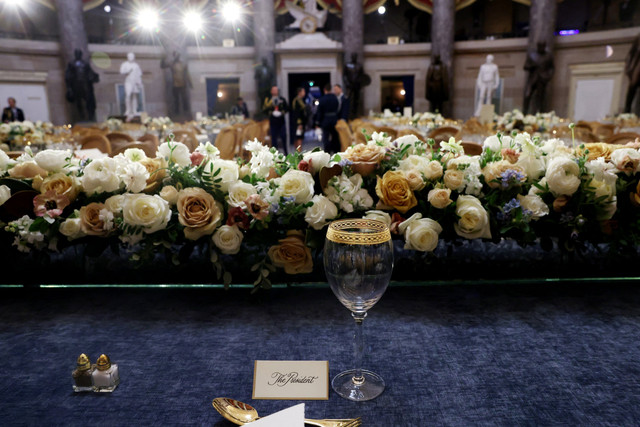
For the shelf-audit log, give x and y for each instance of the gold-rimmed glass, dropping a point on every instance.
(358, 261)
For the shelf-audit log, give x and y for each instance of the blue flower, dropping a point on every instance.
(345, 162)
(510, 177)
(511, 205)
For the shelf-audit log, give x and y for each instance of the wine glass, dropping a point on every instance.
(358, 261)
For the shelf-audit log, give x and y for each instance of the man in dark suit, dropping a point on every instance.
(343, 101)
(276, 107)
(12, 113)
(326, 118)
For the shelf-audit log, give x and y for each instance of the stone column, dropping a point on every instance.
(442, 32)
(264, 28)
(353, 48)
(542, 23)
(72, 33)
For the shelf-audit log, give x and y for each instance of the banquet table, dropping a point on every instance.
(560, 354)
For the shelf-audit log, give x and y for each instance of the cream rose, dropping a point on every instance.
(92, 220)
(493, 171)
(5, 194)
(626, 160)
(180, 154)
(52, 160)
(292, 254)
(198, 212)
(28, 169)
(321, 212)
(72, 229)
(454, 179)
(402, 227)
(229, 172)
(414, 178)
(422, 235)
(115, 203)
(414, 162)
(474, 220)
(433, 171)
(534, 204)
(101, 175)
(370, 152)
(317, 160)
(439, 198)
(61, 184)
(378, 216)
(562, 176)
(239, 192)
(297, 184)
(228, 238)
(152, 213)
(170, 194)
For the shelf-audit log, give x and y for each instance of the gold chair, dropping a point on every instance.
(622, 138)
(266, 139)
(443, 133)
(147, 147)
(150, 140)
(604, 130)
(186, 137)
(96, 141)
(117, 139)
(471, 148)
(226, 143)
(345, 135)
(389, 131)
(405, 132)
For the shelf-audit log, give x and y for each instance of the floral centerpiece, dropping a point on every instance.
(269, 214)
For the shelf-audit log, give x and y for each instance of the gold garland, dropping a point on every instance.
(379, 232)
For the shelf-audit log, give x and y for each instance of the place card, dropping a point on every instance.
(290, 417)
(291, 379)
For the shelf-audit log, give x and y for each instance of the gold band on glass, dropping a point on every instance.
(346, 231)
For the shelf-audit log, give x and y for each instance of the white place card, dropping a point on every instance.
(291, 379)
(290, 417)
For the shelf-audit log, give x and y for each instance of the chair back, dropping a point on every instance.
(186, 137)
(345, 135)
(389, 131)
(96, 141)
(144, 146)
(443, 133)
(226, 142)
(604, 130)
(266, 138)
(151, 140)
(118, 139)
(405, 132)
(471, 148)
(622, 138)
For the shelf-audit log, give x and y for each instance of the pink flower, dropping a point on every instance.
(396, 220)
(239, 218)
(304, 165)
(196, 158)
(258, 208)
(50, 204)
(510, 155)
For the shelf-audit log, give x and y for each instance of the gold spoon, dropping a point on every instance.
(241, 413)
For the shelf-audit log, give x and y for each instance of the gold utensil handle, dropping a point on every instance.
(350, 422)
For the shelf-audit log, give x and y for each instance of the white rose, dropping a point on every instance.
(474, 220)
(170, 194)
(626, 160)
(407, 222)
(493, 143)
(414, 162)
(101, 176)
(318, 159)
(72, 228)
(321, 212)
(454, 179)
(5, 194)
(381, 216)
(239, 192)
(297, 184)
(422, 235)
(114, 203)
(228, 239)
(433, 170)
(152, 213)
(532, 166)
(562, 176)
(180, 154)
(229, 172)
(134, 154)
(135, 176)
(406, 140)
(52, 160)
(5, 161)
(534, 204)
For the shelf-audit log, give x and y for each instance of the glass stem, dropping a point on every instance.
(358, 378)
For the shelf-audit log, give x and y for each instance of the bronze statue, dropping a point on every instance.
(437, 84)
(79, 78)
(264, 78)
(354, 79)
(180, 83)
(632, 70)
(539, 64)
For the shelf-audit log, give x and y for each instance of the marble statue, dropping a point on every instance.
(437, 84)
(307, 18)
(632, 70)
(540, 66)
(132, 85)
(79, 78)
(354, 78)
(488, 81)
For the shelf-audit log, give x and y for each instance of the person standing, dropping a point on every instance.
(12, 113)
(326, 118)
(240, 109)
(298, 118)
(276, 107)
(343, 102)
(437, 84)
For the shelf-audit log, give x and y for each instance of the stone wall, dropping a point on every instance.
(380, 60)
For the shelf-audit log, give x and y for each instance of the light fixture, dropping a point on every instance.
(107, 8)
(148, 19)
(14, 3)
(311, 83)
(192, 21)
(382, 10)
(403, 92)
(231, 11)
(220, 94)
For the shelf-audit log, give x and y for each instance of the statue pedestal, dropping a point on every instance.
(308, 42)
(486, 113)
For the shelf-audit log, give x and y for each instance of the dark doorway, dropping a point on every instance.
(311, 82)
(396, 92)
(221, 95)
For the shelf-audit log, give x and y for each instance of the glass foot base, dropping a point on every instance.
(372, 386)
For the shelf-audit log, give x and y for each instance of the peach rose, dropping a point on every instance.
(27, 170)
(596, 149)
(198, 212)
(292, 254)
(62, 184)
(454, 179)
(493, 171)
(439, 197)
(157, 172)
(414, 178)
(365, 153)
(394, 190)
(92, 219)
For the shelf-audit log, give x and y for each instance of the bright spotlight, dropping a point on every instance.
(12, 3)
(220, 94)
(107, 8)
(231, 11)
(382, 10)
(148, 19)
(192, 21)
(403, 92)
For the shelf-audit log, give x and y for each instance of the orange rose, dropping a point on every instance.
(90, 221)
(393, 190)
(292, 254)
